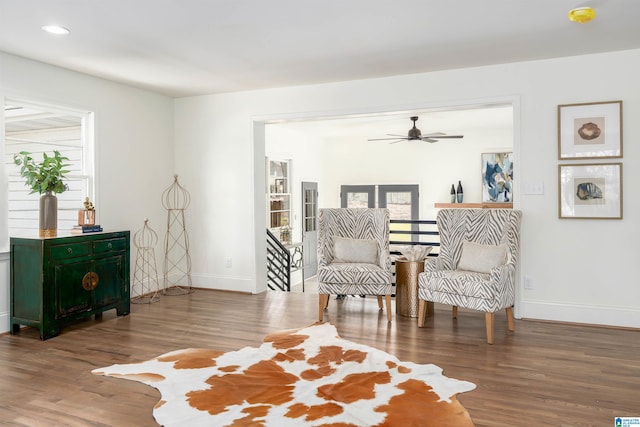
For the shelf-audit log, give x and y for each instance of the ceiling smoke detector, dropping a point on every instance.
(582, 14)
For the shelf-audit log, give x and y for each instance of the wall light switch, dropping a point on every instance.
(534, 188)
(528, 282)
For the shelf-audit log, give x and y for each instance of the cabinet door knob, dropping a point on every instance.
(109, 245)
(70, 251)
(90, 281)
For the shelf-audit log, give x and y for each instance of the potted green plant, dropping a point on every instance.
(47, 179)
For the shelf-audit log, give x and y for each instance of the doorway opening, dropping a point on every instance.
(326, 147)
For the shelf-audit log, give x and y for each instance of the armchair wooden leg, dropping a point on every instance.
(323, 300)
(454, 311)
(387, 299)
(379, 301)
(422, 312)
(488, 320)
(431, 310)
(510, 323)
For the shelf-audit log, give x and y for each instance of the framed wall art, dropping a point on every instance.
(497, 177)
(592, 130)
(590, 191)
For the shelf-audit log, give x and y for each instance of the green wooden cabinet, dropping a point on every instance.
(58, 280)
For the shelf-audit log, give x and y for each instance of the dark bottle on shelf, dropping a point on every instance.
(453, 194)
(459, 192)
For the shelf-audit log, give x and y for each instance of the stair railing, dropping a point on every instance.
(278, 264)
(422, 232)
(418, 234)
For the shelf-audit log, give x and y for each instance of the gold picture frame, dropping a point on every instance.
(590, 130)
(590, 191)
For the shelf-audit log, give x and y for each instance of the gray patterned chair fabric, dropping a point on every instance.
(487, 282)
(353, 255)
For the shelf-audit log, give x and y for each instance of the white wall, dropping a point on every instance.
(434, 167)
(306, 153)
(333, 161)
(133, 145)
(582, 270)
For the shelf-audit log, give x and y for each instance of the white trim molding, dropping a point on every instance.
(581, 313)
(5, 313)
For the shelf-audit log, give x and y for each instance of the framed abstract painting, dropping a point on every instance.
(497, 177)
(590, 191)
(592, 130)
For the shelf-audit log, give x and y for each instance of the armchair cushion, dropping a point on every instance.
(355, 250)
(481, 258)
(459, 282)
(354, 273)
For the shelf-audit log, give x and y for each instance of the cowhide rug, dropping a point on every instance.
(307, 376)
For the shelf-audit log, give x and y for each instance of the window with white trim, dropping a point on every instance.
(38, 128)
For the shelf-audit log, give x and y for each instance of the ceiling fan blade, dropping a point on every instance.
(428, 135)
(443, 136)
(430, 140)
(401, 138)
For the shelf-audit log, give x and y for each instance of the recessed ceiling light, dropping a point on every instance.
(582, 14)
(56, 29)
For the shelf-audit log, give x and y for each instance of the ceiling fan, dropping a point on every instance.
(414, 134)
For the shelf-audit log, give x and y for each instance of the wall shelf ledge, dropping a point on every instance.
(484, 205)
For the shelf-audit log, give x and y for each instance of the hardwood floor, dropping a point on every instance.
(542, 375)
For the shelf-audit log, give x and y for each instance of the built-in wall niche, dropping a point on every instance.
(279, 195)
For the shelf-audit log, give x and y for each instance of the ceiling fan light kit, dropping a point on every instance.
(414, 134)
(582, 14)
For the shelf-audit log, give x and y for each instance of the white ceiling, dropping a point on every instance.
(193, 47)
(451, 121)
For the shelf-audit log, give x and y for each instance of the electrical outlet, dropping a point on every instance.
(528, 282)
(228, 262)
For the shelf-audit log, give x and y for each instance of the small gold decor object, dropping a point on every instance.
(87, 216)
(582, 14)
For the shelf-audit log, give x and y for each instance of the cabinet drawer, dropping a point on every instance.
(69, 250)
(110, 245)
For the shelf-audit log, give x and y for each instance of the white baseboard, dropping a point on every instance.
(5, 315)
(4, 322)
(577, 313)
(223, 283)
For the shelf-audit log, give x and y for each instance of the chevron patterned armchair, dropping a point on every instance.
(476, 267)
(353, 255)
